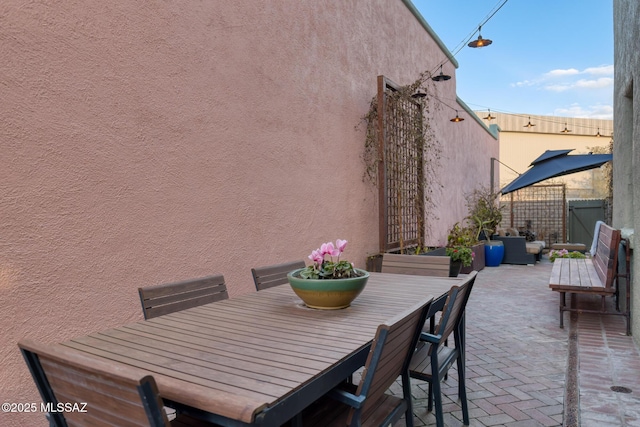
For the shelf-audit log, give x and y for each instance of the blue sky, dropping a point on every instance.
(548, 57)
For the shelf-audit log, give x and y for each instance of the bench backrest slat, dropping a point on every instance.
(606, 257)
(416, 264)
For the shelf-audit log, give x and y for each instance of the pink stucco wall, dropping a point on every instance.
(147, 142)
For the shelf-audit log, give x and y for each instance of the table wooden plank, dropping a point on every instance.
(262, 355)
(257, 349)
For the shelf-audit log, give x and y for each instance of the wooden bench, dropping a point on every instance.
(591, 276)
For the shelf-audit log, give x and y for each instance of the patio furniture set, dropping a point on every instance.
(517, 250)
(262, 359)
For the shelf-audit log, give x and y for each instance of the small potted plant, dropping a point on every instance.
(460, 256)
(467, 236)
(486, 214)
(329, 283)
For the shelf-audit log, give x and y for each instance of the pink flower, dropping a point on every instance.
(317, 257)
(340, 244)
(329, 249)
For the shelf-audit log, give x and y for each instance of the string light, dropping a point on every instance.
(466, 40)
(457, 118)
(583, 129)
(441, 77)
(529, 125)
(489, 116)
(480, 42)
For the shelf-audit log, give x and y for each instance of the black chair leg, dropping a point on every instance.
(462, 392)
(437, 396)
(406, 390)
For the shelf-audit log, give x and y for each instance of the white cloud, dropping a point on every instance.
(562, 73)
(560, 80)
(595, 84)
(523, 83)
(591, 112)
(581, 84)
(605, 70)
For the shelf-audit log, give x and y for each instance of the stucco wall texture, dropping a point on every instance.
(149, 142)
(626, 126)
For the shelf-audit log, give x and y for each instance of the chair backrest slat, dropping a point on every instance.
(454, 307)
(419, 265)
(390, 354)
(171, 297)
(110, 399)
(274, 275)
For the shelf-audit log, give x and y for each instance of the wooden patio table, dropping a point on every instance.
(260, 358)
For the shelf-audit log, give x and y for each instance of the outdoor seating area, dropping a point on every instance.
(464, 381)
(261, 358)
(182, 180)
(517, 250)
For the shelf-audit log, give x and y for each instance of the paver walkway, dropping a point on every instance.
(517, 359)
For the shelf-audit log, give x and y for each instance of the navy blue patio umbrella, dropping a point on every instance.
(553, 163)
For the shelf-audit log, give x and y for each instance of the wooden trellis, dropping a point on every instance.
(400, 169)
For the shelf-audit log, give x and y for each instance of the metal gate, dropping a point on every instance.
(582, 218)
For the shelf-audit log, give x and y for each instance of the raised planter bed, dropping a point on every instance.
(478, 259)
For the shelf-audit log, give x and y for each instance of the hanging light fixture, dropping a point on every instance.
(529, 125)
(565, 130)
(440, 77)
(489, 116)
(457, 118)
(419, 94)
(480, 42)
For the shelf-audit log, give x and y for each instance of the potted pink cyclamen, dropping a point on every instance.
(329, 283)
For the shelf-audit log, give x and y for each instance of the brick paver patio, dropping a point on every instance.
(517, 360)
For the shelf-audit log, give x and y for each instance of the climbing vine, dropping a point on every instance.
(401, 126)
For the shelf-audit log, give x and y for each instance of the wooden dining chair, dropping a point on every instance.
(171, 297)
(367, 403)
(433, 359)
(274, 275)
(92, 394)
(418, 265)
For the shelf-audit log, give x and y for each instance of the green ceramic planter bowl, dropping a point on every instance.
(325, 294)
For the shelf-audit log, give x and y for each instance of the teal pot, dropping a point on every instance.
(327, 294)
(493, 253)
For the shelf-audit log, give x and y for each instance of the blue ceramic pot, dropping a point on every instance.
(493, 253)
